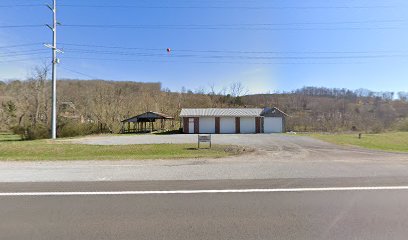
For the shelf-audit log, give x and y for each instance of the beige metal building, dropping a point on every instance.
(233, 120)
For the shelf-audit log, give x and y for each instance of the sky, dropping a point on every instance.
(267, 45)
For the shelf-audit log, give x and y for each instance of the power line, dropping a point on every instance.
(175, 50)
(23, 53)
(84, 51)
(21, 5)
(241, 26)
(213, 62)
(253, 24)
(249, 26)
(21, 60)
(21, 26)
(234, 28)
(213, 28)
(225, 7)
(187, 62)
(206, 7)
(222, 51)
(21, 45)
(80, 73)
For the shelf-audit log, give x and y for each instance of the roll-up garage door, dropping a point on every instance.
(273, 125)
(227, 125)
(248, 125)
(207, 125)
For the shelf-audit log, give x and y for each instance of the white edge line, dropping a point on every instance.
(18, 194)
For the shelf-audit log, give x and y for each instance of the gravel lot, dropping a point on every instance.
(276, 156)
(268, 146)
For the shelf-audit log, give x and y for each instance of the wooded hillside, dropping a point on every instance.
(94, 106)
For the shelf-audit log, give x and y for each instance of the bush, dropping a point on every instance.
(402, 125)
(32, 132)
(72, 129)
(19, 130)
(38, 132)
(65, 129)
(377, 128)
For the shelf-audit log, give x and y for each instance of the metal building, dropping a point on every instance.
(233, 120)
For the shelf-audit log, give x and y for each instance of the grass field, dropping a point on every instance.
(395, 141)
(11, 149)
(6, 137)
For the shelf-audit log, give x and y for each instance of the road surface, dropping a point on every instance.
(307, 209)
(289, 188)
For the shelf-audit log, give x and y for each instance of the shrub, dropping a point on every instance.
(72, 129)
(377, 128)
(32, 132)
(65, 129)
(402, 125)
(19, 130)
(38, 132)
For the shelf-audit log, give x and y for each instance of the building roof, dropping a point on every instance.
(221, 112)
(272, 110)
(148, 116)
(227, 112)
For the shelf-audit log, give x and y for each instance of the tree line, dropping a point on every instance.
(97, 106)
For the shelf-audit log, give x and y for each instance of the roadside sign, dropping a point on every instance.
(204, 139)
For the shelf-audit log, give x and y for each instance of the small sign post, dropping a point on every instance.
(203, 139)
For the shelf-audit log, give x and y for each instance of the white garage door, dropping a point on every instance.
(273, 125)
(191, 125)
(207, 125)
(227, 125)
(248, 125)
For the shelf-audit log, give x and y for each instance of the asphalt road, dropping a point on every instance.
(289, 188)
(326, 214)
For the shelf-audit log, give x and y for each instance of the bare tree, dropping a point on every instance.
(237, 89)
(38, 79)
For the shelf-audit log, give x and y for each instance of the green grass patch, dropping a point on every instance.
(394, 141)
(13, 150)
(6, 137)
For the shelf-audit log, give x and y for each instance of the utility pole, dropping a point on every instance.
(55, 61)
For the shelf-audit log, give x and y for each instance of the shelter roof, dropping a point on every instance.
(148, 116)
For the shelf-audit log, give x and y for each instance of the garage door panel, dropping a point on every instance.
(191, 125)
(248, 125)
(273, 125)
(227, 125)
(207, 125)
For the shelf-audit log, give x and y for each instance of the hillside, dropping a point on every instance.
(93, 106)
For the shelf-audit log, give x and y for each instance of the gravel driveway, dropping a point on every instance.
(269, 146)
(277, 156)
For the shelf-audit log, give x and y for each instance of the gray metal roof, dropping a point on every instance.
(148, 116)
(221, 112)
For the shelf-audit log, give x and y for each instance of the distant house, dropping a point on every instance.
(233, 120)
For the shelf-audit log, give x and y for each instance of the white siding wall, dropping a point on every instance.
(227, 125)
(248, 125)
(207, 125)
(273, 125)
